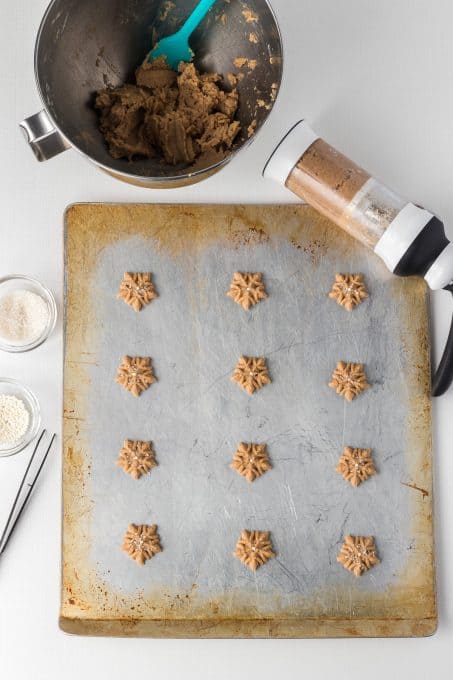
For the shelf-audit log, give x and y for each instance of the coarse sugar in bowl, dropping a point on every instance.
(28, 313)
(19, 417)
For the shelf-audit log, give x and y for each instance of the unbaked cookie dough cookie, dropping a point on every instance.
(358, 554)
(251, 461)
(251, 373)
(349, 380)
(356, 465)
(135, 374)
(349, 290)
(137, 458)
(141, 542)
(254, 548)
(137, 290)
(247, 289)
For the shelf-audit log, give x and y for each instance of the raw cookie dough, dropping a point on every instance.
(250, 16)
(251, 461)
(251, 373)
(178, 116)
(240, 62)
(137, 290)
(358, 554)
(137, 458)
(356, 465)
(349, 380)
(135, 374)
(254, 548)
(141, 542)
(349, 290)
(247, 289)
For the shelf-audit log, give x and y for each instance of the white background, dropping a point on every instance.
(375, 79)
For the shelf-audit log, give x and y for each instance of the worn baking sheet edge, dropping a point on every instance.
(252, 628)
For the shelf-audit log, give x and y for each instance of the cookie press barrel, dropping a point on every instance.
(408, 238)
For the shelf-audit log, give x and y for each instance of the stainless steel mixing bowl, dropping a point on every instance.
(86, 45)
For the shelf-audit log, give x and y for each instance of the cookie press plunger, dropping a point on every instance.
(408, 238)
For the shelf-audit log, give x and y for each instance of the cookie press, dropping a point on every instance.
(409, 239)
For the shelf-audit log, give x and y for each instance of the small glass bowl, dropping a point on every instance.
(14, 282)
(15, 389)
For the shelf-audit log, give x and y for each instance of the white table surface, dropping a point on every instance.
(375, 79)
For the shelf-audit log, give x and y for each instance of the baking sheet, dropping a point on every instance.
(196, 417)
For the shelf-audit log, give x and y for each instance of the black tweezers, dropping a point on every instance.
(25, 489)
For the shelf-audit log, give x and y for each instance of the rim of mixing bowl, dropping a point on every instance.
(33, 408)
(148, 178)
(48, 298)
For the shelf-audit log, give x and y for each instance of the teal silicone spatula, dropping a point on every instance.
(175, 48)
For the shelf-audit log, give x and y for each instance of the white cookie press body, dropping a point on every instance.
(408, 238)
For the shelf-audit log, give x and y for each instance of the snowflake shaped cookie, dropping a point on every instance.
(356, 465)
(136, 458)
(247, 289)
(251, 461)
(251, 373)
(135, 374)
(349, 380)
(141, 542)
(358, 554)
(254, 548)
(349, 290)
(137, 290)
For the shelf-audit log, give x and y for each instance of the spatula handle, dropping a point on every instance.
(196, 17)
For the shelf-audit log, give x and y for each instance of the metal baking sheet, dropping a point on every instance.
(196, 416)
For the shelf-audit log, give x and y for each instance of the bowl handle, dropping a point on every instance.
(42, 136)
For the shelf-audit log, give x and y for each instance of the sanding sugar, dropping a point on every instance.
(14, 419)
(23, 316)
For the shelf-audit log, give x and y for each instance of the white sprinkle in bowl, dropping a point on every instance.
(15, 389)
(17, 282)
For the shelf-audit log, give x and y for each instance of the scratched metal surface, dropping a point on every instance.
(196, 417)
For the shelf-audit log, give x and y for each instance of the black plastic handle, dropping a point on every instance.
(443, 377)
